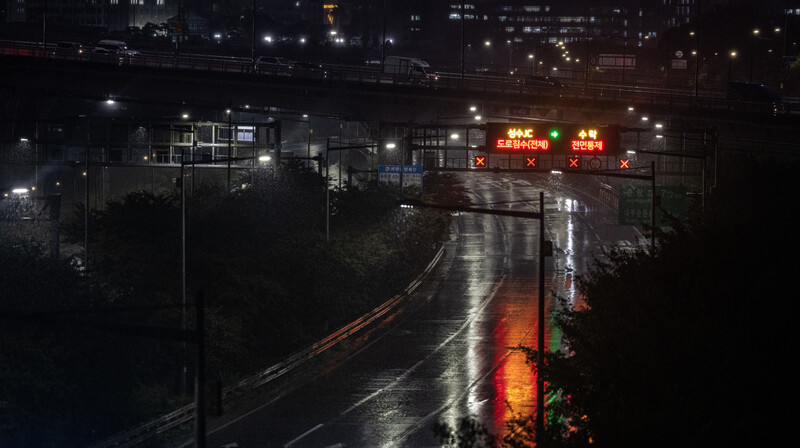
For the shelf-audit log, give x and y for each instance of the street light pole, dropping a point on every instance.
(653, 209)
(327, 190)
(697, 52)
(462, 39)
(510, 51)
(533, 63)
(184, 371)
(383, 39)
(200, 384)
(86, 205)
(44, 28)
(540, 331)
(230, 141)
(253, 38)
(752, 49)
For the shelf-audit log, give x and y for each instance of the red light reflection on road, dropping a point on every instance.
(514, 381)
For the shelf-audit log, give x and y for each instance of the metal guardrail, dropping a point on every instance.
(186, 413)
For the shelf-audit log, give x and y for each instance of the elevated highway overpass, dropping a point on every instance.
(358, 94)
(34, 85)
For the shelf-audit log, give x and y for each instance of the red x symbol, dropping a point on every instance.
(574, 162)
(623, 164)
(480, 160)
(530, 162)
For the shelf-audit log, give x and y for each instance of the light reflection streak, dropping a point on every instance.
(475, 361)
(514, 380)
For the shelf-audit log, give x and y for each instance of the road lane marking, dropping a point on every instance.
(302, 435)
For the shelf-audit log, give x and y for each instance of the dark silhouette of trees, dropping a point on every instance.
(688, 345)
(70, 374)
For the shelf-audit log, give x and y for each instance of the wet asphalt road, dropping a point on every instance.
(455, 355)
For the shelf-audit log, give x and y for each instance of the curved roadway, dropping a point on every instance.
(453, 353)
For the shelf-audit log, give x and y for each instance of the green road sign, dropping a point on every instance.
(634, 204)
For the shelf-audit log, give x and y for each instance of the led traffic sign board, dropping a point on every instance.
(574, 162)
(550, 138)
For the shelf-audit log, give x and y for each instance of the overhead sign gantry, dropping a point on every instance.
(552, 138)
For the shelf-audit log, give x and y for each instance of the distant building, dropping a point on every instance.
(112, 15)
(193, 25)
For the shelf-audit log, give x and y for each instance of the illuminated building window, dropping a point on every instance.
(244, 133)
(532, 8)
(509, 29)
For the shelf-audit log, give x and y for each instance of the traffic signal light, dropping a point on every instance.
(624, 164)
(480, 162)
(530, 162)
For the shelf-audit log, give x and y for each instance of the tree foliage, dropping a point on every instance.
(63, 380)
(678, 347)
(689, 344)
(273, 285)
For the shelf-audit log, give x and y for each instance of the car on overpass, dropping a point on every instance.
(113, 51)
(68, 50)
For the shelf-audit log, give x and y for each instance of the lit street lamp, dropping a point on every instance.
(731, 55)
(510, 51)
(752, 42)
